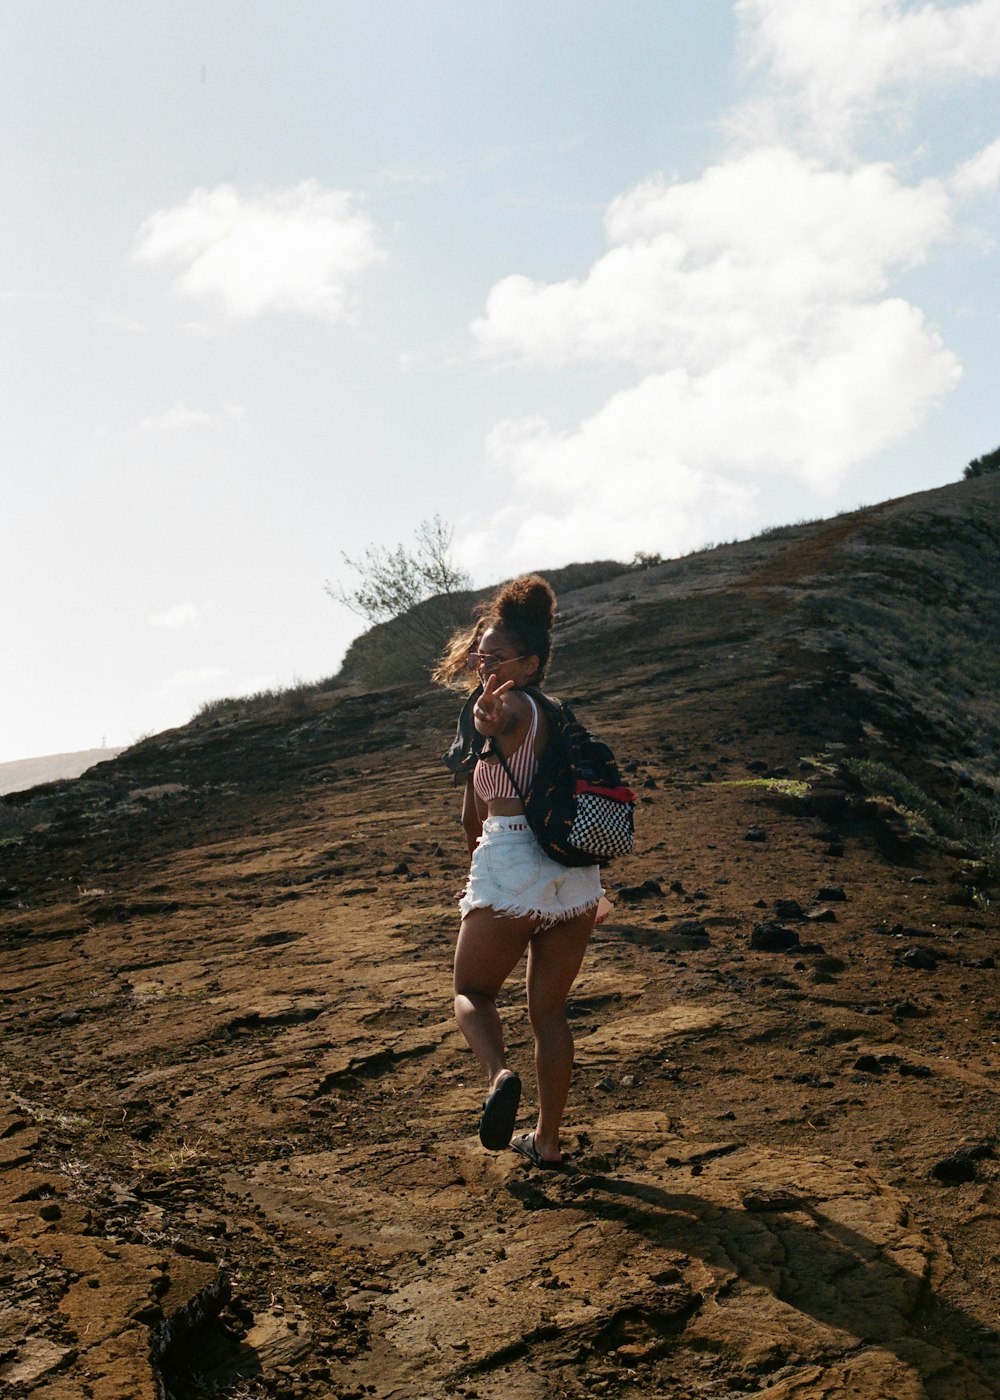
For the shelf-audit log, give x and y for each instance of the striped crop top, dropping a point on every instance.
(490, 780)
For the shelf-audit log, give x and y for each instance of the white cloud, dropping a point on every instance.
(301, 249)
(978, 175)
(676, 459)
(755, 251)
(181, 615)
(833, 64)
(181, 418)
(756, 303)
(614, 486)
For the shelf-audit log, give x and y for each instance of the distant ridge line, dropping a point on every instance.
(22, 773)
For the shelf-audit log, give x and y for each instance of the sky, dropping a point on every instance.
(280, 281)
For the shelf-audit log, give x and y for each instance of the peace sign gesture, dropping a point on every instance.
(489, 708)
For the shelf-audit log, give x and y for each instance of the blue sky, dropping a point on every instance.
(282, 280)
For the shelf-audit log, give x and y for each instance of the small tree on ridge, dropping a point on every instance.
(416, 589)
(979, 466)
(391, 582)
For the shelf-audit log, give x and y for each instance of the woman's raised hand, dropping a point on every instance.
(489, 707)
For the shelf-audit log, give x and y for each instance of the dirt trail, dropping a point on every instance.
(238, 1132)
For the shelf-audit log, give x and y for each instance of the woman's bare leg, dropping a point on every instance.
(554, 960)
(490, 945)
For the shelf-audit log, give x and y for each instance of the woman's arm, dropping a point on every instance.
(472, 822)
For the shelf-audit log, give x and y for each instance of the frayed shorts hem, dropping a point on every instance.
(513, 876)
(544, 919)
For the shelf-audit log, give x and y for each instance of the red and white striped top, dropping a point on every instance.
(490, 780)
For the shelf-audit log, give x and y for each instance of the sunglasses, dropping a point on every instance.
(489, 660)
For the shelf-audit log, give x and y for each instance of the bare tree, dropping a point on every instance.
(418, 586)
(391, 582)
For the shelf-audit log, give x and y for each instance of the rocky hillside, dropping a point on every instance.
(23, 773)
(238, 1124)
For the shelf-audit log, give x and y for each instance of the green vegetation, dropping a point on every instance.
(777, 532)
(787, 787)
(981, 466)
(907, 612)
(294, 700)
(910, 801)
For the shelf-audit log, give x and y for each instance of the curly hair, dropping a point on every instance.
(524, 610)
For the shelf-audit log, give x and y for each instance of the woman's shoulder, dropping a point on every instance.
(523, 704)
(544, 713)
(547, 704)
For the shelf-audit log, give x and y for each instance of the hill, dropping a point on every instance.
(23, 773)
(239, 1123)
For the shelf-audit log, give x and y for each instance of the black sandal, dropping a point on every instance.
(500, 1113)
(525, 1144)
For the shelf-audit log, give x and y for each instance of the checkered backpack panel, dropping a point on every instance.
(578, 807)
(604, 824)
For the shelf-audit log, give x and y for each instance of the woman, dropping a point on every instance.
(517, 899)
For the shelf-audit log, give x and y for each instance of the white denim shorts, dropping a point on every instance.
(512, 874)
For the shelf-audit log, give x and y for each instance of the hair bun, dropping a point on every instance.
(526, 601)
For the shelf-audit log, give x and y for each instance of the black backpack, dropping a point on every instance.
(578, 808)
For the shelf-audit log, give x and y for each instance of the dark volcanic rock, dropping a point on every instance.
(768, 937)
(689, 928)
(921, 958)
(907, 1011)
(633, 894)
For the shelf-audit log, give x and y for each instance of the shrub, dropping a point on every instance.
(292, 701)
(391, 583)
(980, 466)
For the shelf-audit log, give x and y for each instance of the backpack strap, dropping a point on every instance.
(513, 781)
(553, 712)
